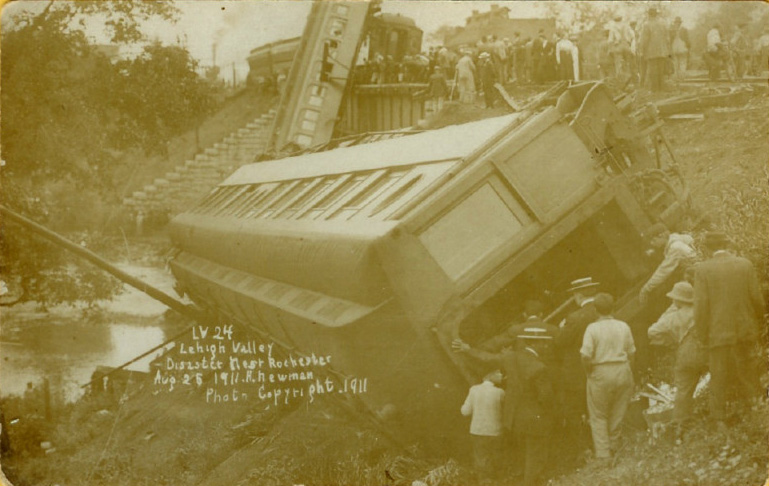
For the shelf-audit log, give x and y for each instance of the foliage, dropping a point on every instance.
(753, 15)
(67, 111)
(148, 118)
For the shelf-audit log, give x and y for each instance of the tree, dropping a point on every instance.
(66, 109)
(442, 33)
(176, 102)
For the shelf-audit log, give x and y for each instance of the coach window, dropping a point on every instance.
(337, 28)
(371, 193)
(397, 194)
(309, 120)
(239, 190)
(266, 191)
(208, 200)
(239, 201)
(342, 188)
(277, 203)
(258, 192)
(342, 10)
(317, 93)
(278, 190)
(299, 198)
(359, 195)
(221, 196)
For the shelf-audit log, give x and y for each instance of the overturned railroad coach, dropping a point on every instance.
(380, 254)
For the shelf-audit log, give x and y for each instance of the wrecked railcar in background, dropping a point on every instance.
(381, 253)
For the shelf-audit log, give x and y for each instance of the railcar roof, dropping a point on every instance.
(452, 142)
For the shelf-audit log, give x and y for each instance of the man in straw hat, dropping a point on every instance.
(675, 329)
(607, 354)
(728, 311)
(576, 435)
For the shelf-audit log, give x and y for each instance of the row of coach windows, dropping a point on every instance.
(309, 121)
(331, 197)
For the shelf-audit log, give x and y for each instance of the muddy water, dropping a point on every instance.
(67, 353)
(63, 348)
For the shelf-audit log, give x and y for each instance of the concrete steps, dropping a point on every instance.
(181, 188)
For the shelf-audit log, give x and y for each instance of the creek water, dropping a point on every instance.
(65, 349)
(67, 353)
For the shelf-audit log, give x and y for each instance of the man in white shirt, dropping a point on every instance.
(567, 57)
(607, 352)
(713, 52)
(484, 403)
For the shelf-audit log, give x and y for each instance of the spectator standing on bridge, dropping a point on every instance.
(499, 56)
(679, 46)
(655, 50)
(605, 62)
(546, 68)
(438, 89)
(519, 58)
(567, 59)
(620, 38)
(740, 46)
(466, 78)
(484, 403)
(607, 353)
(713, 54)
(488, 75)
(728, 312)
(763, 48)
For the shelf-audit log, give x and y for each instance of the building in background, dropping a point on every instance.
(496, 22)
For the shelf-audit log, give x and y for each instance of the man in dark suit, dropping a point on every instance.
(728, 311)
(528, 411)
(573, 395)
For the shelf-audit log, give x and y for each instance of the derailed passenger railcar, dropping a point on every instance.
(379, 254)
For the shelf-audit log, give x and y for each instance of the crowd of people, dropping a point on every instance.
(565, 389)
(648, 53)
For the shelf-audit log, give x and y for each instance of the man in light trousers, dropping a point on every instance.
(607, 352)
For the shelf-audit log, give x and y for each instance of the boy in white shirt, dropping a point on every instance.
(484, 403)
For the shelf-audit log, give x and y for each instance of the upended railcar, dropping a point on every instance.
(380, 254)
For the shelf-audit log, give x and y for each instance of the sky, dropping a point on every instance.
(236, 27)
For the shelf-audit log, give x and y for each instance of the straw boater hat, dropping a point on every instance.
(532, 333)
(583, 283)
(682, 291)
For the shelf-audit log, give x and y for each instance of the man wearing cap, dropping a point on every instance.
(488, 75)
(654, 47)
(607, 353)
(528, 411)
(573, 400)
(675, 329)
(728, 312)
